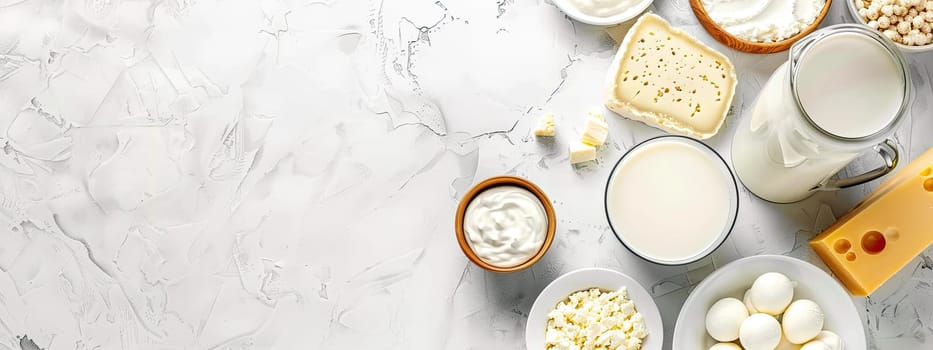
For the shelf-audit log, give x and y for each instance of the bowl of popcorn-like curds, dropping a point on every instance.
(908, 23)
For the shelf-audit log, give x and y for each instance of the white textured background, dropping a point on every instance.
(282, 174)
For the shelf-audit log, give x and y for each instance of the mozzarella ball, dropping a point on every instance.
(833, 341)
(747, 300)
(802, 321)
(815, 345)
(786, 345)
(724, 318)
(760, 332)
(771, 293)
(725, 346)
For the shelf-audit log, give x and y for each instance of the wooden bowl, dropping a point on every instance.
(740, 44)
(505, 181)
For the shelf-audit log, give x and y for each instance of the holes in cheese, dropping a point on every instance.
(892, 234)
(873, 242)
(842, 246)
(668, 79)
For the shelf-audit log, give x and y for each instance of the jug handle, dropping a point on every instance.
(888, 152)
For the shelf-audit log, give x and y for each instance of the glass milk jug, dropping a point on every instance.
(842, 93)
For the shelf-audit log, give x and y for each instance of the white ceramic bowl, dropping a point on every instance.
(588, 278)
(850, 4)
(841, 316)
(571, 10)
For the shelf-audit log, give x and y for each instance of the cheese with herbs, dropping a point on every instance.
(668, 79)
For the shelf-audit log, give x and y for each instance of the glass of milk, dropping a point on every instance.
(671, 200)
(842, 94)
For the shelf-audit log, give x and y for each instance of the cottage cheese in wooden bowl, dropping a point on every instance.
(760, 26)
(763, 21)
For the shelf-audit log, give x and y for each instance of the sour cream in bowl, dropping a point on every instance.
(602, 12)
(505, 224)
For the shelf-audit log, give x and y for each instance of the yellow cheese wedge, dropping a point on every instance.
(893, 181)
(885, 232)
(670, 80)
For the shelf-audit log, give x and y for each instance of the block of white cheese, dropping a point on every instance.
(581, 152)
(670, 80)
(595, 130)
(545, 126)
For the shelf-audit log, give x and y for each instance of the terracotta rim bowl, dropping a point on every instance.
(504, 181)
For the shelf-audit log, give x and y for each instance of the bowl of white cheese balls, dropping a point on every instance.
(769, 302)
(908, 23)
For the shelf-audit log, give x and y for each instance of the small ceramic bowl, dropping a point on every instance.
(571, 10)
(850, 4)
(583, 279)
(505, 181)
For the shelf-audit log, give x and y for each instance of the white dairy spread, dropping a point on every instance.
(603, 8)
(595, 319)
(763, 21)
(505, 225)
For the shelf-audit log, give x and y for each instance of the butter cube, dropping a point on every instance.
(595, 130)
(667, 79)
(545, 126)
(581, 152)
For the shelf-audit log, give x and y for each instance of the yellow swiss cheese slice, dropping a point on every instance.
(883, 233)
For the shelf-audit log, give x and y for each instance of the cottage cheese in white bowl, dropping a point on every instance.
(602, 12)
(605, 306)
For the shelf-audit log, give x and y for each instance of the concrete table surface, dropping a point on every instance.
(283, 174)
